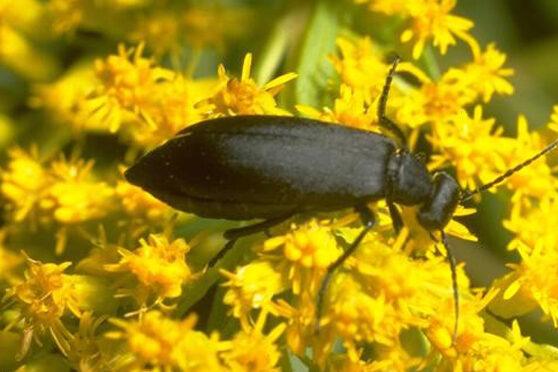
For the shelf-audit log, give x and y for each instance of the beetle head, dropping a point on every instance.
(438, 210)
(411, 183)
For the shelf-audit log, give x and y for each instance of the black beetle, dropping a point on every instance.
(273, 167)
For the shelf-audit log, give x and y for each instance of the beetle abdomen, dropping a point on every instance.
(260, 167)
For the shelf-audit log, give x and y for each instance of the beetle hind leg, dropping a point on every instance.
(232, 235)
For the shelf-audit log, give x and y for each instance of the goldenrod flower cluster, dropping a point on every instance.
(98, 275)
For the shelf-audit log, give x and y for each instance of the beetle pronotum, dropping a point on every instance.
(273, 167)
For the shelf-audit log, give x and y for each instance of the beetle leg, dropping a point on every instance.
(395, 217)
(232, 235)
(368, 220)
(382, 118)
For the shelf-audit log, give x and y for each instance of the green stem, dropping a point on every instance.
(430, 62)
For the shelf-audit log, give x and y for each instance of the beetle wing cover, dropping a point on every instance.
(268, 163)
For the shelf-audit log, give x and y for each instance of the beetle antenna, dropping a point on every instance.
(468, 194)
(382, 118)
(451, 260)
(455, 288)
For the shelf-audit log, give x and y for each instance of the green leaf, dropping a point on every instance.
(310, 59)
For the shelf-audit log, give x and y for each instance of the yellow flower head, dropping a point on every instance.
(553, 124)
(74, 197)
(9, 262)
(477, 350)
(434, 102)
(156, 341)
(307, 252)
(472, 146)
(159, 266)
(45, 294)
(536, 180)
(244, 96)
(360, 66)
(252, 287)
(43, 297)
(431, 19)
(64, 99)
(534, 228)
(349, 109)
(174, 105)
(128, 82)
(357, 316)
(530, 284)
(487, 75)
(251, 349)
(24, 182)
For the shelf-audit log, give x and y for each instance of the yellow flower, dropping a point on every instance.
(43, 297)
(472, 146)
(534, 228)
(24, 182)
(431, 19)
(553, 124)
(19, 54)
(300, 332)
(63, 192)
(244, 96)
(159, 266)
(357, 316)
(147, 103)
(306, 253)
(434, 102)
(73, 197)
(350, 109)
(251, 350)
(174, 104)
(531, 283)
(361, 67)
(155, 341)
(487, 75)
(85, 350)
(9, 261)
(536, 180)
(128, 82)
(252, 287)
(66, 97)
(477, 350)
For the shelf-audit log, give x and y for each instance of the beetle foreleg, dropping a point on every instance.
(368, 220)
(395, 217)
(232, 235)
